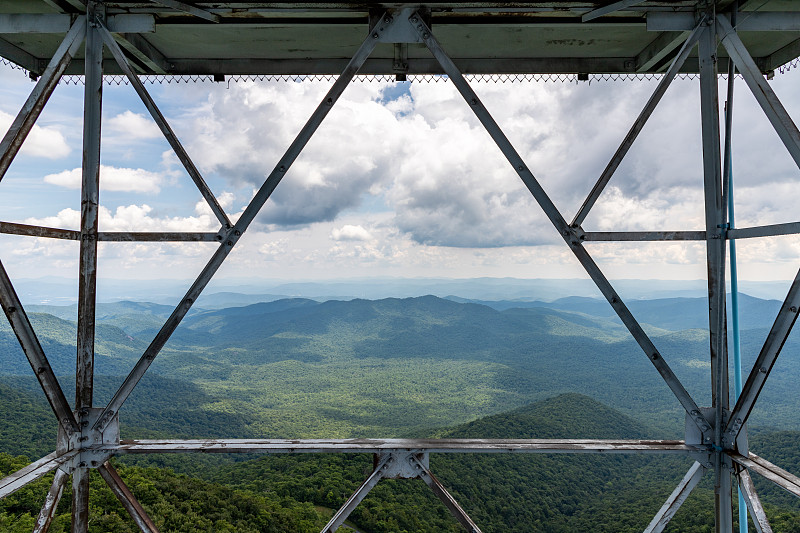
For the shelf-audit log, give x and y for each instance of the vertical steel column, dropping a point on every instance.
(715, 253)
(87, 276)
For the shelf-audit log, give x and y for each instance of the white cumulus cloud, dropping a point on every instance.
(134, 125)
(112, 179)
(349, 232)
(42, 141)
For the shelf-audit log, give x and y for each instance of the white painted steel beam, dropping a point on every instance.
(426, 445)
(32, 472)
(446, 498)
(779, 332)
(48, 511)
(676, 499)
(753, 502)
(361, 492)
(785, 480)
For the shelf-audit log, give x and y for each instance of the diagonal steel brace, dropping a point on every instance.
(249, 214)
(676, 499)
(126, 498)
(30, 344)
(638, 125)
(165, 128)
(30, 112)
(557, 220)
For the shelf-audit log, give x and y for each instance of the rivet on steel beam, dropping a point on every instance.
(474, 101)
(614, 300)
(521, 168)
(375, 35)
(84, 438)
(413, 20)
(654, 356)
(237, 232)
(706, 427)
(12, 309)
(229, 243)
(40, 370)
(793, 309)
(283, 168)
(82, 464)
(763, 370)
(425, 35)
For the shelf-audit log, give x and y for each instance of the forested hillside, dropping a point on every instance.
(518, 493)
(416, 367)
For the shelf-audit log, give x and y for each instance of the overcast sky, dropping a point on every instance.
(400, 180)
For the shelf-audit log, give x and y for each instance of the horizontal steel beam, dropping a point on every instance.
(60, 23)
(175, 236)
(602, 236)
(12, 228)
(789, 228)
(756, 21)
(385, 66)
(383, 445)
(764, 468)
(32, 472)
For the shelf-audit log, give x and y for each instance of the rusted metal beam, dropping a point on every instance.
(126, 498)
(21, 324)
(568, 233)
(426, 445)
(175, 236)
(637, 127)
(715, 219)
(785, 480)
(188, 8)
(789, 228)
(778, 333)
(676, 499)
(32, 472)
(753, 502)
(13, 228)
(165, 128)
(603, 236)
(765, 96)
(361, 492)
(36, 101)
(249, 214)
(447, 499)
(48, 511)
